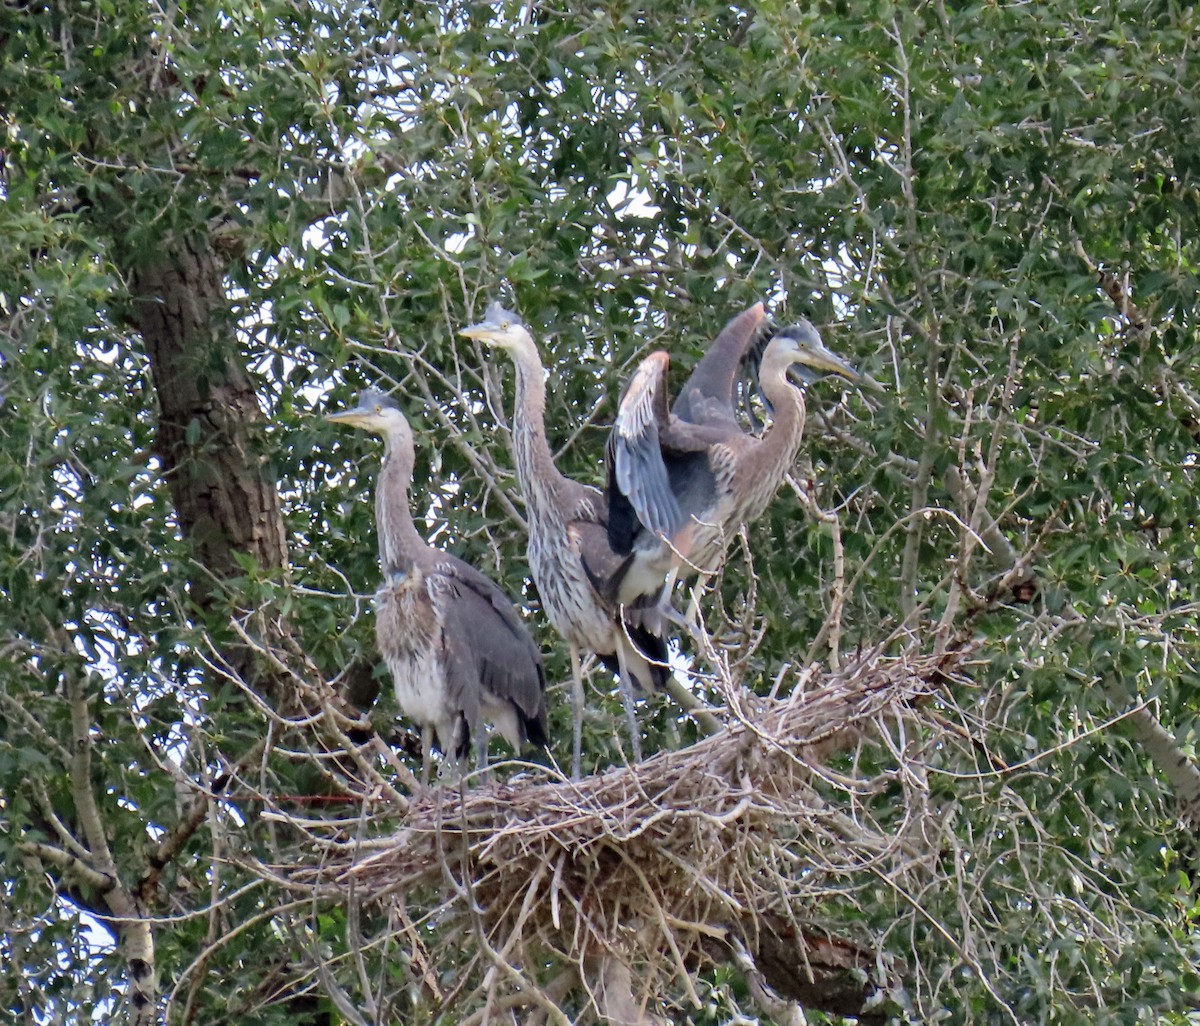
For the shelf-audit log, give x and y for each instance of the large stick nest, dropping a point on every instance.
(714, 852)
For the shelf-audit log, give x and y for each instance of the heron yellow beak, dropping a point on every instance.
(482, 331)
(356, 417)
(818, 358)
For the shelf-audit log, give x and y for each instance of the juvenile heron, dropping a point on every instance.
(456, 648)
(692, 477)
(573, 563)
(642, 507)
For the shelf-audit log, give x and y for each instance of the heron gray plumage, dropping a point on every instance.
(457, 650)
(572, 561)
(690, 478)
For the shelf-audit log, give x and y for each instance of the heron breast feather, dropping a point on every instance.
(406, 624)
(421, 689)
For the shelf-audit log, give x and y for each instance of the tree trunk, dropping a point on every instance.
(208, 429)
(208, 412)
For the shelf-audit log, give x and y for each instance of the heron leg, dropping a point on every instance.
(691, 619)
(426, 753)
(577, 697)
(695, 708)
(627, 700)
(673, 615)
(481, 750)
(665, 607)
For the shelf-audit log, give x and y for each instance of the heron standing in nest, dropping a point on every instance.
(573, 562)
(457, 650)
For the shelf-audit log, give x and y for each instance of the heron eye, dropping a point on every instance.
(504, 325)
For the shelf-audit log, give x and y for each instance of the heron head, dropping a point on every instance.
(499, 327)
(802, 355)
(375, 412)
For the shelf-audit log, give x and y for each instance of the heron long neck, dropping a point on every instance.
(398, 538)
(773, 455)
(540, 479)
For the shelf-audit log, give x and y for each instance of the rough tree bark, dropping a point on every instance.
(208, 412)
(208, 419)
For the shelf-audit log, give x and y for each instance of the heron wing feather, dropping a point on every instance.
(707, 395)
(636, 464)
(602, 563)
(487, 643)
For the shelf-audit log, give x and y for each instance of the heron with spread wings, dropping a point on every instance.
(682, 483)
(457, 651)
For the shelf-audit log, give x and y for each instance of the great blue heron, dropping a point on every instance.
(456, 648)
(573, 563)
(640, 493)
(692, 477)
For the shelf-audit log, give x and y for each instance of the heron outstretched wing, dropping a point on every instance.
(636, 467)
(707, 395)
(660, 467)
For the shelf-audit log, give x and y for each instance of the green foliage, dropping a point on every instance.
(936, 185)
